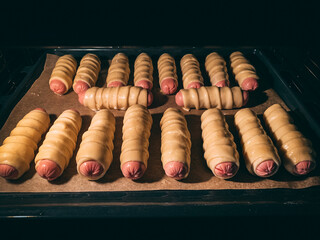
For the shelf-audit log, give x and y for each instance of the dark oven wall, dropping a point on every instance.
(160, 23)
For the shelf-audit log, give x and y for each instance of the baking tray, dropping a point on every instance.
(171, 202)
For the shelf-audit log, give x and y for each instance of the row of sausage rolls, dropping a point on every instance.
(220, 150)
(296, 150)
(65, 74)
(260, 155)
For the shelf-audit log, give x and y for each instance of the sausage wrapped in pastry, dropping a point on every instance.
(296, 150)
(18, 149)
(175, 144)
(168, 78)
(244, 73)
(191, 74)
(119, 71)
(95, 153)
(211, 97)
(62, 75)
(260, 155)
(87, 73)
(220, 151)
(58, 146)
(216, 68)
(143, 70)
(115, 98)
(136, 128)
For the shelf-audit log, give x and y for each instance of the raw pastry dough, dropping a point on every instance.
(293, 146)
(143, 69)
(18, 149)
(167, 68)
(136, 128)
(61, 139)
(97, 142)
(175, 138)
(115, 98)
(119, 70)
(64, 71)
(216, 67)
(190, 69)
(256, 145)
(218, 143)
(88, 70)
(241, 68)
(212, 97)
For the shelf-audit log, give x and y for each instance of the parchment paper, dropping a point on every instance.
(200, 177)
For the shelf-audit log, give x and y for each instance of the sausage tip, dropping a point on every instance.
(225, 170)
(91, 168)
(48, 169)
(57, 87)
(168, 86)
(266, 169)
(133, 170)
(8, 172)
(176, 170)
(115, 84)
(80, 86)
(195, 85)
(250, 84)
(304, 167)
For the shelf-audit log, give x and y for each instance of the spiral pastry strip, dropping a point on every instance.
(115, 98)
(220, 150)
(95, 153)
(260, 155)
(296, 150)
(216, 68)
(119, 71)
(191, 74)
(87, 73)
(143, 70)
(244, 73)
(18, 149)
(210, 97)
(137, 124)
(168, 78)
(62, 74)
(57, 148)
(175, 144)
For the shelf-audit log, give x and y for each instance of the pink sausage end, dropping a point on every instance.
(176, 170)
(304, 167)
(245, 95)
(150, 98)
(179, 99)
(168, 86)
(266, 168)
(144, 84)
(91, 168)
(48, 169)
(195, 85)
(80, 87)
(41, 109)
(133, 170)
(225, 170)
(8, 172)
(249, 84)
(57, 87)
(115, 84)
(223, 83)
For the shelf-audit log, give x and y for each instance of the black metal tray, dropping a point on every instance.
(174, 203)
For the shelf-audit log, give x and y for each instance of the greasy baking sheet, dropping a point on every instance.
(200, 177)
